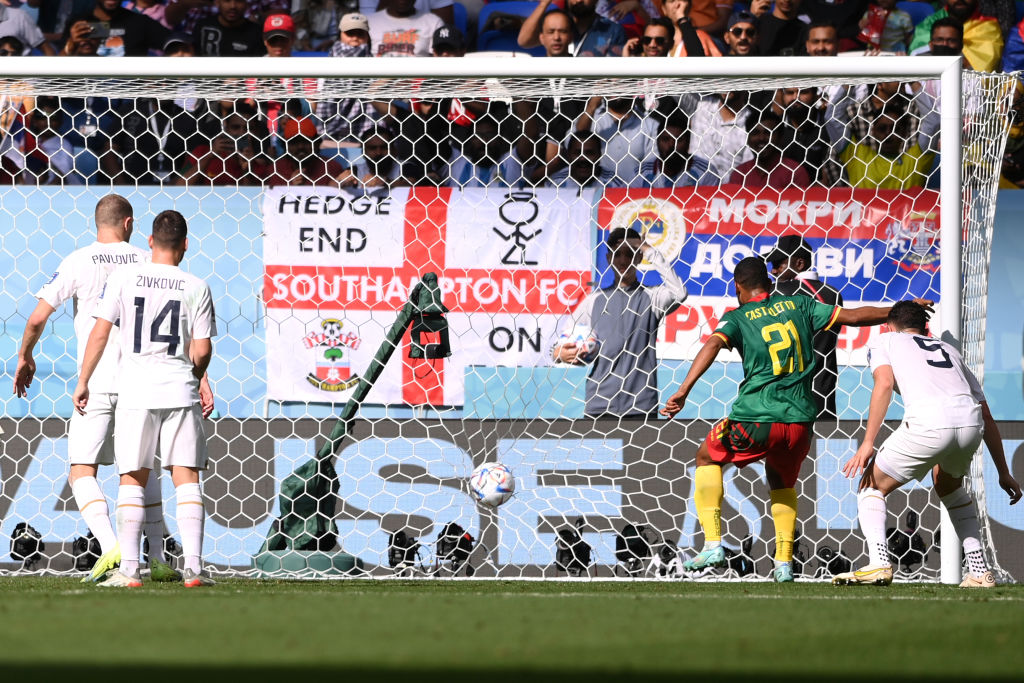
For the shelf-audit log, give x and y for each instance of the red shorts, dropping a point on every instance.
(782, 446)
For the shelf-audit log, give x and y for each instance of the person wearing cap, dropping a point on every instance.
(279, 35)
(179, 44)
(301, 164)
(228, 33)
(401, 31)
(345, 120)
(792, 266)
(742, 36)
(448, 41)
(128, 34)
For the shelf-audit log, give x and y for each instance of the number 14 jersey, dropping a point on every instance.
(775, 335)
(160, 309)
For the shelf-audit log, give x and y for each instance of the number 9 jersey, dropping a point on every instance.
(775, 335)
(159, 309)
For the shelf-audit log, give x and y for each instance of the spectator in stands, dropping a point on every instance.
(49, 157)
(947, 39)
(885, 27)
(629, 137)
(186, 14)
(279, 35)
(128, 34)
(316, 23)
(717, 132)
(842, 15)
(768, 168)
(377, 169)
(863, 104)
(154, 141)
(228, 33)
(154, 9)
(822, 40)
(632, 15)
(486, 158)
(402, 31)
(690, 41)
(656, 40)
(760, 8)
(805, 139)
(16, 22)
(424, 147)
(448, 41)
(580, 160)
(742, 37)
(793, 267)
(593, 35)
(442, 8)
(11, 46)
(301, 163)
(710, 16)
(890, 167)
(231, 158)
(556, 33)
(675, 166)
(983, 39)
(625, 317)
(345, 120)
(1013, 55)
(12, 115)
(781, 30)
(179, 44)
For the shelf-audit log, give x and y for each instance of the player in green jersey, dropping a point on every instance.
(771, 418)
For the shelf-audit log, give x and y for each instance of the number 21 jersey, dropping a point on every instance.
(160, 309)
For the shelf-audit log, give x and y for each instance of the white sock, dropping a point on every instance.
(964, 515)
(130, 513)
(190, 524)
(154, 524)
(93, 506)
(871, 513)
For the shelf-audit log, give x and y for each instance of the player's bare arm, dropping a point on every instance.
(994, 442)
(93, 352)
(26, 370)
(200, 351)
(205, 395)
(705, 357)
(881, 396)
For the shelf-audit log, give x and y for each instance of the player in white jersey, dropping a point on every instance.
(81, 277)
(945, 419)
(166, 323)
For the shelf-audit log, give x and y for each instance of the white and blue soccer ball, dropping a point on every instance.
(581, 337)
(492, 484)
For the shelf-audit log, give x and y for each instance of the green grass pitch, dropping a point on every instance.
(242, 630)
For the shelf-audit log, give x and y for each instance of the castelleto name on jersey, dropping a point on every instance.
(116, 259)
(150, 282)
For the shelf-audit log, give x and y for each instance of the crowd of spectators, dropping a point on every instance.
(879, 136)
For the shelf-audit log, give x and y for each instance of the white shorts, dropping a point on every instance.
(177, 431)
(911, 452)
(90, 436)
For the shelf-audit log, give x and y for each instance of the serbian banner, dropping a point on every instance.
(339, 266)
(871, 245)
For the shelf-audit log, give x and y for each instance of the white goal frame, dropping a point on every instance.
(946, 69)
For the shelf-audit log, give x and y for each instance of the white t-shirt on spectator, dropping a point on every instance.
(160, 309)
(16, 22)
(368, 7)
(402, 36)
(81, 277)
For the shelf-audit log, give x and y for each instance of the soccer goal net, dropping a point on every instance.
(319, 193)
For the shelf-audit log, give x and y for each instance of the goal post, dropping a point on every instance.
(602, 473)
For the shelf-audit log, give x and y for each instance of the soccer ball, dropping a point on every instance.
(492, 484)
(584, 339)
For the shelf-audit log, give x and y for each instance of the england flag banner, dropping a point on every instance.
(339, 266)
(871, 245)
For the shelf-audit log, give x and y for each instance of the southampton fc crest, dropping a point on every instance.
(659, 221)
(914, 243)
(332, 350)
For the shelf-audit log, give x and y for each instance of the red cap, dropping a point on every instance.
(278, 25)
(304, 126)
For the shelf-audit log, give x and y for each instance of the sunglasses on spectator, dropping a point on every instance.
(740, 31)
(657, 40)
(8, 53)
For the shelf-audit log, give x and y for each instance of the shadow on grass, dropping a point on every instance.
(298, 674)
